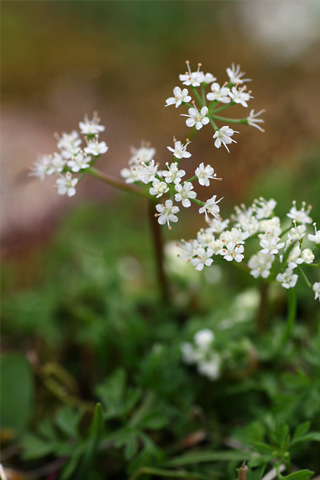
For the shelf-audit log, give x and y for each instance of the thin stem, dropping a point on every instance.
(166, 473)
(223, 108)
(305, 278)
(198, 96)
(213, 124)
(158, 252)
(292, 309)
(230, 120)
(103, 177)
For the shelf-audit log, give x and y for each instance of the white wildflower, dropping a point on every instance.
(204, 338)
(173, 174)
(211, 367)
(211, 206)
(158, 188)
(144, 154)
(316, 289)
(192, 78)
(269, 242)
(231, 251)
(239, 95)
(185, 192)
(296, 233)
(91, 127)
(235, 75)
(203, 258)
(220, 94)
(188, 249)
(204, 174)
(316, 237)
(131, 174)
(180, 96)
(179, 150)
(253, 121)
(196, 118)
(79, 162)
(223, 136)
(264, 208)
(167, 213)
(66, 185)
(42, 167)
(147, 172)
(260, 264)
(288, 279)
(95, 148)
(300, 216)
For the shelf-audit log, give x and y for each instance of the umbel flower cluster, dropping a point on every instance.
(202, 353)
(71, 157)
(280, 252)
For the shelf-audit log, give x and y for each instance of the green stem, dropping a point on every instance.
(198, 96)
(230, 120)
(158, 252)
(167, 473)
(223, 108)
(305, 278)
(215, 127)
(292, 309)
(103, 177)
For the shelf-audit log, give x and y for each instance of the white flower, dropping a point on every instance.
(42, 167)
(185, 192)
(296, 233)
(179, 150)
(204, 174)
(144, 154)
(192, 78)
(300, 216)
(196, 118)
(234, 235)
(209, 78)
(232, 252)
(91, 127)
(79, 162)
(57, 164)
(316, 289)
(188, 353)
(307, 256)
(223, 136)
(210, 368)
(68, 140)
(294, 257)
(269, 242)
(95, 148)
(235, 75)
(173, 174)
(253, 121)
(167, 213)
(203, 258)
(264, 208)
(217, 225)
(188, 249)
(316, 237)
(158, 188)
(131, 174)
(211, 206)
(288, 279)
(147, 172)
(66, 185)
(270, 225)
(204, 338)
(220, 94)
(260, 264)
(180, 96)
(239, 95)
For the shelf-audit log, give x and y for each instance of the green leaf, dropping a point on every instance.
(68, 421)
(92, 444)
(300, 475)
(17, 391)
(300, 431)
(215, 456)
(35, 447)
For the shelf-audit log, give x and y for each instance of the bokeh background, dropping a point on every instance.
(62, 59)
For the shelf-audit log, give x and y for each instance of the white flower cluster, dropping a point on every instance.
(72, 158)
(202, 354)
(280, 249)
(169, 181)
(219, 98)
